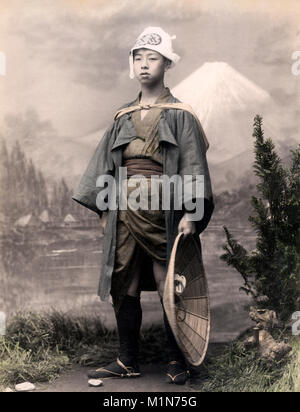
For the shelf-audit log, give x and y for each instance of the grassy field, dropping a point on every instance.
(37, 347)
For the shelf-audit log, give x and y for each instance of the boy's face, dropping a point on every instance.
(148, 65)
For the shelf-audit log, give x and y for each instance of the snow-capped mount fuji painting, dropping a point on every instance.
(226, 102)
(220, 95)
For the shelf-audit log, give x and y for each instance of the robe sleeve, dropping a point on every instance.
(101, 163)
(193, 162)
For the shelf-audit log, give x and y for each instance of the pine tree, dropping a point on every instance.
(23, 188)
(42, 192)
(271, 272)
(54, 203)
(32, 188)
(61, 200)
(65, 197)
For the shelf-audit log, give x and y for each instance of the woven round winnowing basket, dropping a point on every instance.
(186, 299)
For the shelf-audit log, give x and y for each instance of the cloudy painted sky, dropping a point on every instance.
(68, 59)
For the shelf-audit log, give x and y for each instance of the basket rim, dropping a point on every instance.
(169, 301)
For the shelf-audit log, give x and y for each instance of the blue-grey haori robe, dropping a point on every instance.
(184, 153)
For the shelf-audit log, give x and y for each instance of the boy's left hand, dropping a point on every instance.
(186, 226)
(103, 220)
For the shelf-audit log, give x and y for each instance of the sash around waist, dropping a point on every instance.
(143, 166)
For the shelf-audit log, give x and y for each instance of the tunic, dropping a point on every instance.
(184, 153)
(141, 234)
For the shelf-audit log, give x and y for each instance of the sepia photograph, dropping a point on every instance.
(150, 198)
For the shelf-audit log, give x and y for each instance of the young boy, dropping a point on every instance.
(153, 135)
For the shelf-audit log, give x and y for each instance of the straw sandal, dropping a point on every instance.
(177, 373)
(114, 370)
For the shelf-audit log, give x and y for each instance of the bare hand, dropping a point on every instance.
(103, 220)
(186, 226)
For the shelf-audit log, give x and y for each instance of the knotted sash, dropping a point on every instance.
(143, 166)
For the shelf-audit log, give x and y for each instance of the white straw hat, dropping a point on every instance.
(154, 38)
